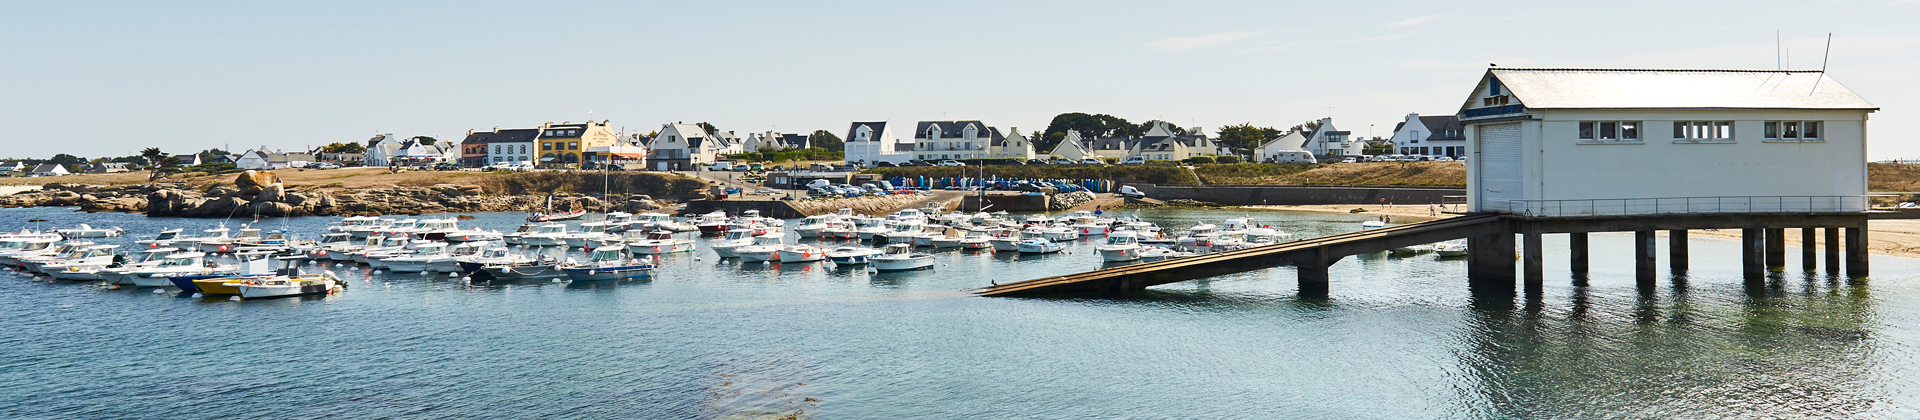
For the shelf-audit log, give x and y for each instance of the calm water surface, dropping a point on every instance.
(1398, 338)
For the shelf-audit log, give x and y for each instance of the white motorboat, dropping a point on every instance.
(814, 226)
(162, 240)
(726, 246)
(1039, 246)
(1060, 234)
(121, 273)
(851, 255)
(1006, 239)
(841, 229)
(417, 261)
(977, 240)
(87, 231)
(15, 245)
(517, 236)
(607, 263)
(1451, 249)
(93, 255)
(659, 242)
(1372, 224)
(498, 263)
(900, 257)
(31, 261)
(947, 238)
(1151, 254)
(765, 248)
(1263, 236)
(1121, 246)
(589, 232)
(801, 253)
(181, 264)
(552, 234)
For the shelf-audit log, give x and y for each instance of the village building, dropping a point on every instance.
(106, 168)
(50, 169)
(1011, 145)
(1585, 141)
(255, 159)
(870, 142)
(567, 143)
(935, 140)
(1076, 147)
(1161, 142)
(381, 149)
(1329, 143)
(1434, 135)
(15, 166)
(1284, 149)
(683, 147)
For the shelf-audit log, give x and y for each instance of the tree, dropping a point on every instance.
(711, 130)
(351, 147)
(71, 162)
(209, 154)
(165, 166)
(1145, 126)
(1379, 148)
(1089, 125)
(1306, 127)
(826, 140)
(153, 155)
(1244, 137)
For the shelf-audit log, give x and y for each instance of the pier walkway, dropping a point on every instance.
(1310, 256)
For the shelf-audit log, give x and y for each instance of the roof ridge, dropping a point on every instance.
(1655, 70)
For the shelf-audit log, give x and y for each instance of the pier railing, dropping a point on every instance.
(1688, 205)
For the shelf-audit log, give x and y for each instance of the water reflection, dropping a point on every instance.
(1774, 354)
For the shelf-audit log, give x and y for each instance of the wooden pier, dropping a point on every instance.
(1492, 257)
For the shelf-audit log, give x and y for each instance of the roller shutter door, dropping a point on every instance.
(1500, 179)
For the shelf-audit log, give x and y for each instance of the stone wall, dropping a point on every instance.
(1302, 195)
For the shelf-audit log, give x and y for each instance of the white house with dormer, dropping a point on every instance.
(1430, 135)
(1011, 145)
(935, 140)
(1284, 149)
(875, 141)
(682, 147)
(1327, 141)
(1570, 142)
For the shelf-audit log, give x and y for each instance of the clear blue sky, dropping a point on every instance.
(108, 78)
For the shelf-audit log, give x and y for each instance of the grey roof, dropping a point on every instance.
(797, 141)
(920, 131)
(47, 167)
(1693, 89)
(878, 127)
(579, 129)
(478, 137)
(515, 135)
(1438, 125)
(1110, 143)
(995, 138)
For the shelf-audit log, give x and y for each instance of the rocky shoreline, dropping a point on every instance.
(182, 200)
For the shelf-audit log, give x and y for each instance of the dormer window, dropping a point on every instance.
(1493, 87)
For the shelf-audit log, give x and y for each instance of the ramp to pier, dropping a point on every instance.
(1311, 256)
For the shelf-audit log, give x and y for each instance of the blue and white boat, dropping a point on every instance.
(609, 262)
(851, 255)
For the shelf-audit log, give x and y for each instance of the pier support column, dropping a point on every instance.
(1490, 263)
(1643, 260)
(1312, 271)
(1577, 244)
(1752, 266)
(1809, 251)
(1677, 250)
(1776, 249)
(1857, 251)
(1532, 261)
(1833, 250)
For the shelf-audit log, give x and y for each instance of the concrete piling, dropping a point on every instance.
(1533, 258)
(1857, 251)
(1677, 250)
(1776, 249)
(1577, 244)
(1833, 250)
(1752, 265)
(1643, 259)
(1809, 260)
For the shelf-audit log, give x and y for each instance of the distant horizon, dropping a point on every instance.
(122, 76)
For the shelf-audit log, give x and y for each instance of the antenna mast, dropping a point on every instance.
(1823, 65)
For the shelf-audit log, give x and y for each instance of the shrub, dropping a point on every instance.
(1227, 159)
(1200, 159)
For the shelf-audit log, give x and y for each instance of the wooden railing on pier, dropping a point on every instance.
(1311, 256)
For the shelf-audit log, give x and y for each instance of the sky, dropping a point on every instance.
(110, 78)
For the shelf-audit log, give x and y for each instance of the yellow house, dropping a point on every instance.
(567, 142)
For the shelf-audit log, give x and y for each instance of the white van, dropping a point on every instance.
(1129, 191)
(817, 184)
(721, 166)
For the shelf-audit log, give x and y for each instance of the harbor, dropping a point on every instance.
(739, 338)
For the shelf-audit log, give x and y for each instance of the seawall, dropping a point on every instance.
(1245, 195)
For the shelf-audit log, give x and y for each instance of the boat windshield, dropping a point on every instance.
(214, 233)
(592, 228)
(553, 229)
(167, 235)
(181, 262)
(428, 250)
(1120, 240)
(604, 254)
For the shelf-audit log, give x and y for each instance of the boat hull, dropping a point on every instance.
(889, 264)
(1120, 255)
(653, 249)
(609, 273)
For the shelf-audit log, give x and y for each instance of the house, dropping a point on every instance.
(869, 142)
(1011, 145)
(105, 168)
(473, 148)
(381, 149)
(1438, 135)
(626, 153)
(343, 157)
(1641, 141)
(278, 160)
(1076, 147)
(1284, 149)
(253, 159)
(773, 141)
(934, 140)
(567, 142)
(13, 167)
(189, 159)
(511, 145)
(1327, 141)
(1161, 142)
(50, 169)
(682, 147)
(795, 141)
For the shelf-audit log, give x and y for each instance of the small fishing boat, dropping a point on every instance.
(289, 282)
(765, 248)
(498, 263)
(976, 240)
(659, 242)
(900, 257)
(851, 255)
(555, 217)
(712, 223)
(801, 253)
(423, 254)
(607, 263)
(1151, 254)
(552, 234)
(1006, 239)
(121, 272)
(1039, 246)
(842, 230)
(727, 246)
(814, 226)
(163, 240)
(1451, 249)
(1121, 246)
(95, 255)
(220, 283)
(589, 232)
(517, 237)
(1372, 224)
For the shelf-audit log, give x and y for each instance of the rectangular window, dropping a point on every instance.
(1790, 130)
(546, 146)
(1703, 130)
(1613, 131)
(573, 145)
(1609, 130)
(523, 148)
(1586, 130)
(1771, 129)
(1810, 130)
(1629, 130)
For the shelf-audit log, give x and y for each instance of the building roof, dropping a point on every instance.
(947, 128)
(1437, 127)
(1692, 89)
(515, 135)
(478, 137)
(878, 127)
(49, 168)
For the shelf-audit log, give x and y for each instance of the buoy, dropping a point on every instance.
(233, 299)
(556, 279)
(158, 291)
(197, 295)
(453, 274)
(469, 278)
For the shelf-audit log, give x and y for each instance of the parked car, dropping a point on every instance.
(1092, 161)
(721, 166)
(1129, 192)
(1064, 161)
(324, 165)
(884, 164)
(742, 168)
(1134, 161)
(1037, 162)
(1349, 160)
(951, 163)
